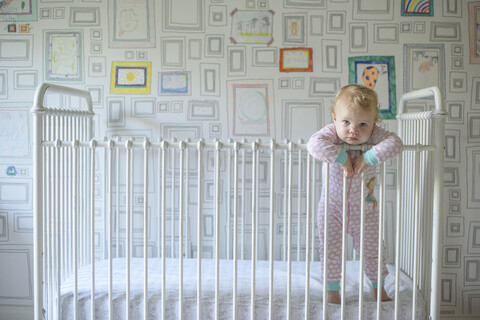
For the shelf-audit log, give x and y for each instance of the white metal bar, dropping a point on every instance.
(380, 240)
(272, 228)
(128, 186)
(397, 234)
(199, 229)
(181, 187)
(362, 245)
(235, 230)
(218, 147)
(290, 236)
(325, 241)
(75, 228)
(164, 222)
(416, 231)
(308, 236)
(145, 228)
(299, 203)
(254, 227)
(92, 228)
(344, 246)
(110, 229)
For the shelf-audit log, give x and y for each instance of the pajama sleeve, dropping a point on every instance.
(387, 145)
(324, 146)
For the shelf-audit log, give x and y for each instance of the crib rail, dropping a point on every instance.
(236, 200)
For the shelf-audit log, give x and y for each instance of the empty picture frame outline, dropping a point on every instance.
(64, 55)
(96, 93)
(84, 16)
(143, 107)
(473, 186)
(264, 57)
(217, 15)
(295, 128)
(424, 66)
(25, 80)
(296, 60)
(332, 55)
(323, 87)
(294, 28)
(173, 52)
(237, 61)
(175, 83)
(475, 102)
(194, 22)
(210, 79)
(203, 110)
(3, 83)
(417, 8)
(386, 33)
(16, 50)
(252, 26)
(125, 34)
(115, 111)
(130, 77)
(317, 4)
(358, 37)
(445, 31)
(474, 31)
(214, 44)
(15, 137)
(373, 10)
(250, 105)
(384, 85)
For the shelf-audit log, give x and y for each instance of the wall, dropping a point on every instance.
(156, 69)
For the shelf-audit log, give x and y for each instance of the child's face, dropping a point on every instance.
(354, 124)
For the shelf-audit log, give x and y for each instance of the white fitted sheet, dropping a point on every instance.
(225, 292)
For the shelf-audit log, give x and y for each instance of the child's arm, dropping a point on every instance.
(323, 145)
(387, 145)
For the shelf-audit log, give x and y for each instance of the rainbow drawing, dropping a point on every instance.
(417, 7)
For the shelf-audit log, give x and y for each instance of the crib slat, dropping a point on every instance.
(218, 147)
(272, 223)
(325, 241)
(235, 227)
(254, 228)
(416, 231)
(180, 226)
(110, 228)
(145, 229)
(128, 186)
(344, 245)
(308, 236)
(92, 227)
(200, 146)
(380, 242)
(163, 217)
(290, 236)
(362, 245)
(75, 226)
(397, 234)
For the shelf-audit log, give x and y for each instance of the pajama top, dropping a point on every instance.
(326, 146)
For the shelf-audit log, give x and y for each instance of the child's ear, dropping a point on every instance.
(333, 116)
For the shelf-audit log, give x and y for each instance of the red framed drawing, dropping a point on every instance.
(296, 60)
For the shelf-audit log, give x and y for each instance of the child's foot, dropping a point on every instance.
(385, 296)
(334, 297)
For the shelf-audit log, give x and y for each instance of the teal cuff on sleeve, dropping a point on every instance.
(370, 157)
(333, 286)
(342, 157)
(375, 284)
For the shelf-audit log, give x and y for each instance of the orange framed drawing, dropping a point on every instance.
(296, 60)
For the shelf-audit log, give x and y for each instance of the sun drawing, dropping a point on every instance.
(131, 76)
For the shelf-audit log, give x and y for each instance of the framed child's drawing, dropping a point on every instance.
(377, 73)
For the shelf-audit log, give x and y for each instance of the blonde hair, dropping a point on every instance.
(359, 96)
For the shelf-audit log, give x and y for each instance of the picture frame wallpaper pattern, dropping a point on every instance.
(19, 10)
(417, 8)
(474, 31)
(252, 26)
(64, 56)
(377, 73)
(132, 24)
(296, 60)
(130, 77)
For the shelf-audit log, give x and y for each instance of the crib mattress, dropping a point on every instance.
(225, 292)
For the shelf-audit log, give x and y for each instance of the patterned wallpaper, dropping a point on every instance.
(155, 69)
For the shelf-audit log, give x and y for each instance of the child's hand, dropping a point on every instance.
(347, 168)
(359, 164)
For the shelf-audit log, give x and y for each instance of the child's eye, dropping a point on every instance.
(363, 124)
(346, 122)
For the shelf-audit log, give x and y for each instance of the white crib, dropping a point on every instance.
(217, 230)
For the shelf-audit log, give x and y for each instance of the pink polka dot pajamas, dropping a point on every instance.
(325, 145)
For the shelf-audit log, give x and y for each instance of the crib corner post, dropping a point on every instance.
(37, 213)
(437, 240)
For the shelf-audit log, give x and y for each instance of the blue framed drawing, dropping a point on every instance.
(377, 73)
